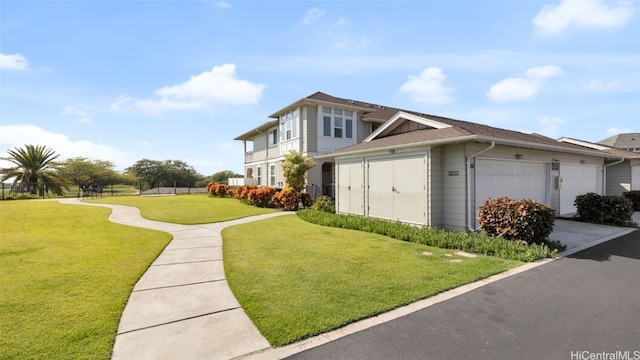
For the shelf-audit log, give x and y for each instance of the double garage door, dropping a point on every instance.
(396, 188)
(531, 180)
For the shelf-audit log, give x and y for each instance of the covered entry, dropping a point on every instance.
(514, 179)
(397, 188)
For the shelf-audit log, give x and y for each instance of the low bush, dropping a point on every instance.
(216, 189)
(287, 199)
(606, 210)
(519, 220)
(323, 203)
(471, 242)
(634, 196)
(306, 200)
(261, 197)
(242, 192)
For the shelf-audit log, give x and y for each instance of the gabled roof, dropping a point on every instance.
(622, 141)
(257, 131)
(609, 150)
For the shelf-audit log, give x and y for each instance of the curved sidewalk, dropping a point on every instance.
(182, 307)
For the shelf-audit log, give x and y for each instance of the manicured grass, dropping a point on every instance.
(187, 209)
(66, 273)
(295, 279)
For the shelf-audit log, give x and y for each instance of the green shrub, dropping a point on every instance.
(261, 197)
(607, 210)
(287, 199)
(306, 200)
(520, 220)
(473, 242)
(634, 196)
(323, 203)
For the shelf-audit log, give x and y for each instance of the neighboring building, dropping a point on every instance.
(629, 142)
(621, 174)
(417, 168)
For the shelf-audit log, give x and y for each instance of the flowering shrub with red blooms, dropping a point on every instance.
(216, 189)
(287, 198)
(261, 197)
(241, 192)
(519, 220)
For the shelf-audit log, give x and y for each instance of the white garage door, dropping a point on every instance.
(397, 189)
(514, 179)
(577, 180)
(350, 188)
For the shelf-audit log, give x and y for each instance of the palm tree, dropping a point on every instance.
(35, 171)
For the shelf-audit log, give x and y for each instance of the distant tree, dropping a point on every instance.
(294, 169)
(222, 177)
(149, 171)
(89, 173)
(165, 173)
(35, 170)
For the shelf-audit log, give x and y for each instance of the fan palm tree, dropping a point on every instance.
(35, 171)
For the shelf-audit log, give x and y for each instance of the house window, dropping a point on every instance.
(337, 123)
(259, 175)
(273, 137)
(272, 175)
(289, 125)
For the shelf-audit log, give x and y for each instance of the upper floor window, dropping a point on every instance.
(289, 125)
(337, 123)
(273, 137)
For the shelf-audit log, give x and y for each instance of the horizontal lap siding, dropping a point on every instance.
(454, 199)
(618, 178)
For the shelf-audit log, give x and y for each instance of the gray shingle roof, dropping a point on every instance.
(622, 141)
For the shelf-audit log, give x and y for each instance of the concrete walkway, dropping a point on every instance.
(182, 307)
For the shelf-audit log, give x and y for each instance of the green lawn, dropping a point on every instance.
(295, 279)
(187, 209)
(66, 273)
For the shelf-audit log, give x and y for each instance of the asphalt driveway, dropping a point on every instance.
(578, 307)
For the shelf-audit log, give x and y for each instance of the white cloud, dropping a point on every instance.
(13, 62)
(219, 86)
(312, 15)
(81, 116)
(342, 21)
(550, 126)
(12, 136)
(615, 131)
(427, 88)
(521, 88)
(599, 86)
(553, 19)
(223, 4)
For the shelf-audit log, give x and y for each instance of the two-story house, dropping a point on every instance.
(418, 168)
(314, 126)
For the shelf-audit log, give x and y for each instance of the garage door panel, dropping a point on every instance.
(380, 185)
(577, 180)
(515, 179)
(410, 195)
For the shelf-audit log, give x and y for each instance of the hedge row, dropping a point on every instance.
(471, 242)
(634, 196)
(288, 198)
(606, 210)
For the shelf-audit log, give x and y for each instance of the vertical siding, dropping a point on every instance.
(309, 115)
(454, 188)
(618, 178)
(434, 187)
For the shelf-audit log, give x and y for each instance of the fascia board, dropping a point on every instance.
(401, 115)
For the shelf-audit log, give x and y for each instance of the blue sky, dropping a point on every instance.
(127, 80)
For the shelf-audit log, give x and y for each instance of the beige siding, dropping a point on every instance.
(363, 130)
(407, 126)
(618, 178)
(454, 198)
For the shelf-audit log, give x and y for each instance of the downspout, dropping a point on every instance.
(470, 213)
(604, 175)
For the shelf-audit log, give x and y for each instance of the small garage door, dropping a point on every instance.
(350, 188)
(514, 179)
(577, 180)
(397, 189)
